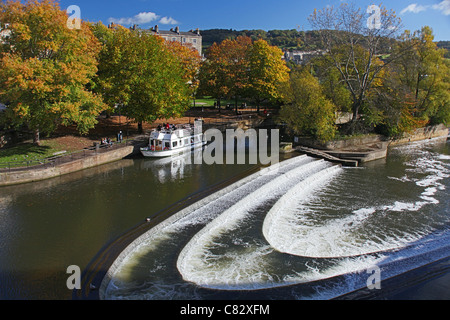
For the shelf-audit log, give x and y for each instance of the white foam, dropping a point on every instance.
(199, 213)
(287, 229)
(197, 264)
(246, 267)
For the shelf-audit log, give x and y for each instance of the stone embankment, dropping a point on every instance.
(65, 166)
(366, 148)
(68, 165)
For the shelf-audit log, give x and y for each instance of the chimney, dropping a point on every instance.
(198, 31)
(177, 30)
(156, 29)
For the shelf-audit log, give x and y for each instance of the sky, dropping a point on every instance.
(251, 14)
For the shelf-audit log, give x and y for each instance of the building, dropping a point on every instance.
(192, 37)
(301, 57)
(3, 34)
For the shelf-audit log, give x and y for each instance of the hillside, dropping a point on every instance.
(284, 39)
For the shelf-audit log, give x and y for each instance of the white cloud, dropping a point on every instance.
(414, 8)
(443, 6)
(168, 20)
(141, 18)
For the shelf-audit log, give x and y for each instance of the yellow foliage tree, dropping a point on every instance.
(46, 68)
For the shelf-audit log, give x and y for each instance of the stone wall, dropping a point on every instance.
(18, 177)
(423, 134)
(340, 144)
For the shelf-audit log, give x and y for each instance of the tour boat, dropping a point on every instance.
(166, 142)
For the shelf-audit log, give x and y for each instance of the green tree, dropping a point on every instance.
(305, 109)
(416, 89)
(354, 47)
(46, 68)
(138, 71)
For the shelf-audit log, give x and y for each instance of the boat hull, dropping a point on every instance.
(148, 153)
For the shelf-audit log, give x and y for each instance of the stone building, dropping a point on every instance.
(192, 37)
(302, 57)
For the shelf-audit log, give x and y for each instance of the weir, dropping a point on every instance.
(192, 263)
(201, 212)
(290, 226)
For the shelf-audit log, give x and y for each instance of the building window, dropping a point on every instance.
(194, 40)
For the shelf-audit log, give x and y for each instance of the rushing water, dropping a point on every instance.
(306, 229)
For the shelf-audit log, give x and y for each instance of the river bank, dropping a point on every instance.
(348, 152)
(91, 157)
(366, 148)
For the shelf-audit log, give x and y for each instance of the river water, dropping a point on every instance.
(305, 229)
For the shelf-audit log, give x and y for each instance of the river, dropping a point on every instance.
(304, 230)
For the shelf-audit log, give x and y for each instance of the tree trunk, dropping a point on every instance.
(140, 127)
(36, 139)
(354, 122)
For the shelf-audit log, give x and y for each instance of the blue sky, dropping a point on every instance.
(250, 14)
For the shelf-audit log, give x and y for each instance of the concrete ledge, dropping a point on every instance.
(328, 157)
(371, 147)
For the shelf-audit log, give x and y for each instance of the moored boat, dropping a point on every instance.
(165, 142)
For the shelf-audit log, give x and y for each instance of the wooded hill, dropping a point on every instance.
(285, 39)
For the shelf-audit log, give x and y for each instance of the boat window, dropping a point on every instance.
(174, 144)
(186, 141)
(167, 145)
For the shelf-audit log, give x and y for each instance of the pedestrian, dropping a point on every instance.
(119, 137)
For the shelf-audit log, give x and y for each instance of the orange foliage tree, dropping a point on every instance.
(46, 68)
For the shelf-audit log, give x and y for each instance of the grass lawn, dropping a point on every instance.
(29, 152)
(209, 102)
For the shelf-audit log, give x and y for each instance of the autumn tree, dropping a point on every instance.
(266, 70)
(46, 68)
(224, 74)
(305, 109)
(190, 61)
(243, 68)
(416, 90)
(138, 71)
(353, 38)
